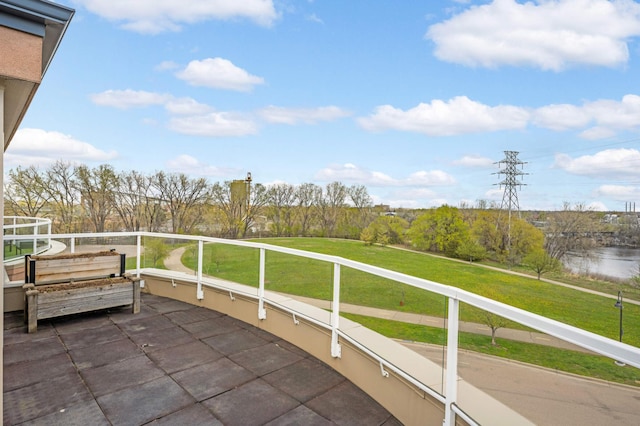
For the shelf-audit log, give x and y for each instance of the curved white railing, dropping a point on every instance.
(36, 229)
(615, 350)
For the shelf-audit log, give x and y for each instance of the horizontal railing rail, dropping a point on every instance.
(615, 350)
(37, 230)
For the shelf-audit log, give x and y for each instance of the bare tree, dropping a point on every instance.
(238, 210)
(305, 196)
(281, 199)
(96, 187)
(570, 230)
(257, 200)
(330, 204)
(25, 193)
(361, 200)
(135, 203)
(185, 199)
(59, 185)
(231, 209)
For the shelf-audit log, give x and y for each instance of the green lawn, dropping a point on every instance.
(312, 278)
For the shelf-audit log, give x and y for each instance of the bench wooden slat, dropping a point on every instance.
(90, 290)
(100, 298)
(47, 271)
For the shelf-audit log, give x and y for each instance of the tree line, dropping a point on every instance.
(81, 199)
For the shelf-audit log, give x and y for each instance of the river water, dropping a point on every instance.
(616, 262)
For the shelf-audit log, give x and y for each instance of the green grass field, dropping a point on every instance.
(312, 278)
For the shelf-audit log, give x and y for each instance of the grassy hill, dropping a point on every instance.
(312, 278)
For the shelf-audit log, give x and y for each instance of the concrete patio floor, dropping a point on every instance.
(174, 364)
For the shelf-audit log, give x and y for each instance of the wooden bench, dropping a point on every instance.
(65, 284)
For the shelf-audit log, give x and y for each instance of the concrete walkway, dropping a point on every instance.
(173, 262)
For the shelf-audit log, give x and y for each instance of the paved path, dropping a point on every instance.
(544, 396)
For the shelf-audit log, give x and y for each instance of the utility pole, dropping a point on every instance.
(511, 184)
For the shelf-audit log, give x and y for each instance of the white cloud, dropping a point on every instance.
(620, 163)
(597, 206)
(215, 124)
(125, 99)
(41, 147)
(429, 178)
(189, 165)
(218, 73)
(624, 114)
(608, 116)
(597, 132)
(618, 192)
(187, 116)
(166, 65)
(551, 35)
(459, 115)
(154, 16)
(281, 115)
(352, 173)
(494, 194)
(314, 18)
(561, 117)
(474, 161)
(414, 198)
(186, 106)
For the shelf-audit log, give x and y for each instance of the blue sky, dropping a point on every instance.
(416, 100)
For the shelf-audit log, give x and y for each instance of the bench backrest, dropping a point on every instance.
(61, 268)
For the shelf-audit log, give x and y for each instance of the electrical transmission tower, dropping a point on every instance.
(511, 184)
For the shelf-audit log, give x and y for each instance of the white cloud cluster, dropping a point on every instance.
(154, 16)
(461, 115)
(605, 115)
(621, 163)
(551, 35)
(41, 148)
(192, 166)
(217, 124)
(474, 161)
(281, 115)
(618, 192)
(125, 99)
(190, 117)
(352, 173)
(218, 73)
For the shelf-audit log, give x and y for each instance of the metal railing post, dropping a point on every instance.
(451, 380)
(138, 254)
(49, 234)
(336, 349)
(200, 293)
(262, 312)
(35, 238)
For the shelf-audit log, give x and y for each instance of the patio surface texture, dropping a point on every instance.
(174, 364)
